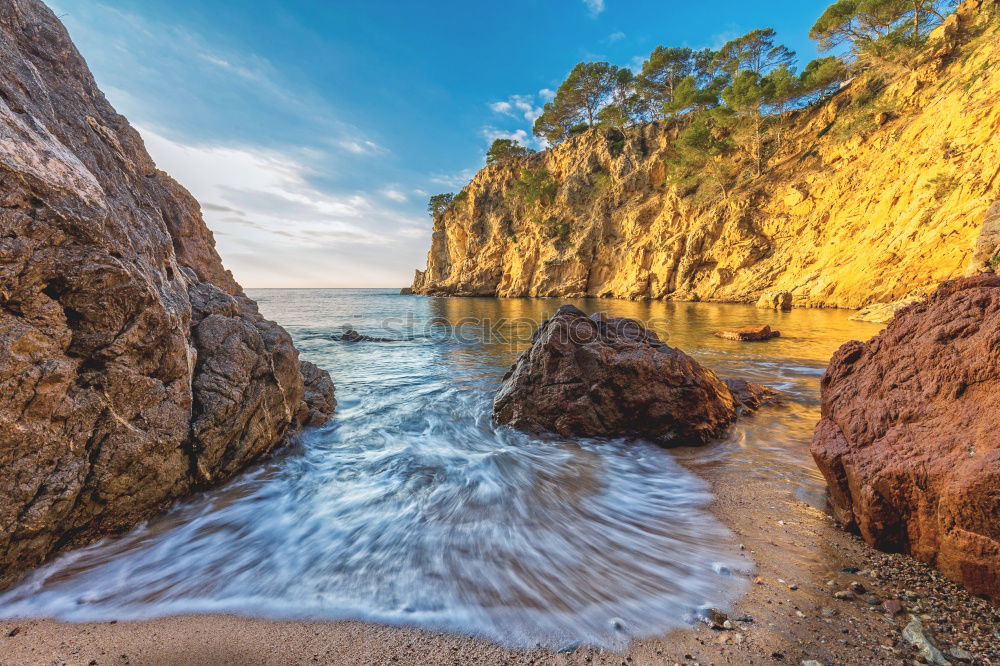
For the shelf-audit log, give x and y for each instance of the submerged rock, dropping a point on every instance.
(748, 333)
(609, 377)
(133, 368)
(350, 335)
(908, 441)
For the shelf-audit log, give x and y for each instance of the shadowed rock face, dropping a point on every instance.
(609, 377)
(909, 442)
(133, 369)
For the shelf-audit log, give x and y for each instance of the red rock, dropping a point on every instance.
(607, 377)
(133, 368)
(892, 607)
(909, 441)
(749, 334)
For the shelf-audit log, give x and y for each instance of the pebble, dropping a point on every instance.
(569, 648)
(826, 611)
(13, 632)
(892, 606)
(811, 662)
(793, 587)
(960, 654)
(843, 595)
(857, 588)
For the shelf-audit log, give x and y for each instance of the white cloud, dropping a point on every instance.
(547, 94)
(595, 7)
(616, 36)
(518, 106)
(454, 180)
(275, 228)
(394, 194)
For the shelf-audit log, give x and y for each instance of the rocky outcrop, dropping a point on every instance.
(838, 219)
(754, 333)
(908, 441)
(611, 377)
(133, 369)
(775, 300)
(882, 313)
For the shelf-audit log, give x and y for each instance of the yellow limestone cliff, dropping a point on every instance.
(865, 202)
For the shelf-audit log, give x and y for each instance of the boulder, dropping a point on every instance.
(748, 333)
(882, 313)
(908, 441)
(133, 368)
(775, 300)
(609, 377)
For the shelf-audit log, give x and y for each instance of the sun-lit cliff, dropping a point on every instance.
(868, 198)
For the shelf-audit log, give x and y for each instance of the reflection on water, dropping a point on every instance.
(410, 507)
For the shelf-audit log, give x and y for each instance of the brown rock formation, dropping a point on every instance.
(610, 377)
(755, 333)
(909, 442)
(132, 366)
(838, 219)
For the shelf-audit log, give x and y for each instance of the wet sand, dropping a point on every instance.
(797, 549)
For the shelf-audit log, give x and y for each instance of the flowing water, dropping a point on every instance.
(410, 507)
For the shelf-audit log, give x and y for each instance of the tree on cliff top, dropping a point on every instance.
(505, 149)
(876, 27)
(439, 203)
(589, 87)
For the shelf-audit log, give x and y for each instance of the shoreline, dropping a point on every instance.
(796, 548)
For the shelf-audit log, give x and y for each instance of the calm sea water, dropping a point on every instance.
(410, 507)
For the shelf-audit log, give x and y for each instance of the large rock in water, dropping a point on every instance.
(609, 377)
(133, 369)
(909, 442)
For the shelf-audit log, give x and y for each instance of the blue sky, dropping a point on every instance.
(312, 131)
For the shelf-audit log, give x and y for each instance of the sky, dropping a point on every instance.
(313, 131)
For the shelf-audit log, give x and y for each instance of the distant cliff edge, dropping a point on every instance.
(879, 193)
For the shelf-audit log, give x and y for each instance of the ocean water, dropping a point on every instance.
(410, 507)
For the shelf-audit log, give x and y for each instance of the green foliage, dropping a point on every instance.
(589, 88)
(601, 181)
(877, 27)
(943, 186)
(506, 149)
(535, 187)
(873, 89)
(994, 263)
(439, 203)
(822, 77)
(753, 52)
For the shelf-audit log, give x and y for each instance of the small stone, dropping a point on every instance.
(715, 618)
(758, 580)
(892, 606)
(857, 588)
(727, 625)
(13, 632)
(843, 595)
(811, 662)
(871, 600)
(777, 655)
(569, 648)
(793, 587)
(826, 611)
(851, 570)
(617, 624)
(960, 654)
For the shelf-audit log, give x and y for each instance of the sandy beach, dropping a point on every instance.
(790, 614)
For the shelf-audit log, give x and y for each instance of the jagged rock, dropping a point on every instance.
(133, 369)
(775, 300)
(610, 377)
(913, 632)
(749, 333)
(750, 396)
(908, 439)
(406, 291)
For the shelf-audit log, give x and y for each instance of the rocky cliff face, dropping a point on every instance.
(133, 369)
(909, 442)
(865, 201)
